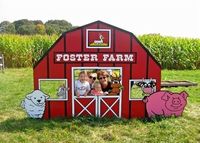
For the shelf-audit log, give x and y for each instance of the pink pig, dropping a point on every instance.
(165, 103)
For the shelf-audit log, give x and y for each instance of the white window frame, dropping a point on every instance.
(55, 79)
(107, 30)
(107, 96)
(136, 99)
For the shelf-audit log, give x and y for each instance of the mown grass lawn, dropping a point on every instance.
(16, 127)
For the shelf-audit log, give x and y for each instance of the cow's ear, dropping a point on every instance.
(29, 96)
(166, 96)
(153, 83)
(184, 94)
(140, 84)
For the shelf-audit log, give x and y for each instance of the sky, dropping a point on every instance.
(178, 18)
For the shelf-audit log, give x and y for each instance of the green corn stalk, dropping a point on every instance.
(170, 52)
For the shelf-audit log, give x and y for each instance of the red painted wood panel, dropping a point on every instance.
(90, 64)
(106, 65)
(109, 102)
(85, 101)
(56, 70)
(137, 109)
(155, 73)
(40, 71)
(73, 41)
(139, 69)
(46, 111)
(125, 92)
(122, 41)
(57, 109)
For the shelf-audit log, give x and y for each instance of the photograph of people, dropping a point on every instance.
(97, 91)
(104, 79)
(82, 86)
(92, 76)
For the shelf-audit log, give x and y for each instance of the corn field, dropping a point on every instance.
(24, 51)
(171, 53)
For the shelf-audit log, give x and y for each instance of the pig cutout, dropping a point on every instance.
(165, 103)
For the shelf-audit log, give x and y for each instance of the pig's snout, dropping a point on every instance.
(176, 101)
(147, 89)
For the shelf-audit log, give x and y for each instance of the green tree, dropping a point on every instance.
(26, 29)
(7, 27)
(37, 22)
(40, 29)
(31, 27)
(51, 29)
(21, 22)
(57, 26)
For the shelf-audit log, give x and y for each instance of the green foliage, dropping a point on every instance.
(57, 26)
(23, 51)
(26, 29)
(7, 27)
(20, 23)
(40, 29)
(37, 22)
(34, 27)
(51, 29)
(40, 45)
(174, 53)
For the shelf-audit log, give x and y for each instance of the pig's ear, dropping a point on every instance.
(166, 96)
(184, 94)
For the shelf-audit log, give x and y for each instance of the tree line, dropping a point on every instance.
(33, 27)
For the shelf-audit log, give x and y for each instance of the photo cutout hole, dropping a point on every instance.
(139, 88)
(56, 88)
(97, 81)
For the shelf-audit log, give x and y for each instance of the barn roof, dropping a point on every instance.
(98, 22)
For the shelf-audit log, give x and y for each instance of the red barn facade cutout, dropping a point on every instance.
(94, 47)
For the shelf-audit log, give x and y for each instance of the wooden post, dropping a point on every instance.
(2, 62)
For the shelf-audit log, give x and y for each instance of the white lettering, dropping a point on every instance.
(119, 57)
(94, 57)
(105, 57)
(128, 57)
(72, 57)
(79, 57)
(58, 57)
(86, 57)
(112, 58)
(65, 57)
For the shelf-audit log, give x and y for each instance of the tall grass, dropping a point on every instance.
(23, 51)
(174, 53)
(171, 53)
